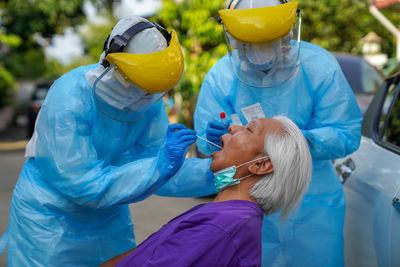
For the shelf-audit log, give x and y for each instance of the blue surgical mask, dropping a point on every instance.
(224, 177)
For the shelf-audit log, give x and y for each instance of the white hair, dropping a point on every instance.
(284, 188)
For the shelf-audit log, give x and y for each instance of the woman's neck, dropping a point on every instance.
(236, 192)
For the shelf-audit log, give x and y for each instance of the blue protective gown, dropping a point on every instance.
(69, 206)
(320, 101)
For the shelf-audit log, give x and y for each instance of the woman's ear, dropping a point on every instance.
(261, 167)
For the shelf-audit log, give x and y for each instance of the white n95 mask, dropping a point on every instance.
(120, 99)
(260, 56)
(116, 92)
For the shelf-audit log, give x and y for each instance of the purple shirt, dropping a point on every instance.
(224, 233)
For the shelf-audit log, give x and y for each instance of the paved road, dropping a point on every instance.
(149, 215)
(10, 165)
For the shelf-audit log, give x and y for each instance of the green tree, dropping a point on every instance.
(23, 25)
(7, 81)
(32, 19)
(338, 25)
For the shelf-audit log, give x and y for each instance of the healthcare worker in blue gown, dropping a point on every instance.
(269, 72)
(102, 141)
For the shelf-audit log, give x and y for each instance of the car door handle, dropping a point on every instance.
(396, 203)
(345, 169)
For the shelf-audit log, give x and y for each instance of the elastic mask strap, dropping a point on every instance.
(265, 157)
(239, 179)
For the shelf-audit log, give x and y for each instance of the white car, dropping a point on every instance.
(371, 180)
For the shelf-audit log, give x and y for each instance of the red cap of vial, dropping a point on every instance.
(222, 115)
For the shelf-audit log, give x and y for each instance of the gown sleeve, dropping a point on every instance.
(67, 159)
(334, 129)
(194, 179)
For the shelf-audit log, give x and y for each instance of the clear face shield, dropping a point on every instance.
(122, 100)
(265, 64)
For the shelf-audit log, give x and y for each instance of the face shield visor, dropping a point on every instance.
(120, 99)
(263, 43)
(131, 83)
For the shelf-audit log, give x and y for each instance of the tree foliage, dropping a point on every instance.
(32, 21)
(338, 25)
(7, 81)
(24, 18)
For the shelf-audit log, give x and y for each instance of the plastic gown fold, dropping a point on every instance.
(68, 204)
(320, 101)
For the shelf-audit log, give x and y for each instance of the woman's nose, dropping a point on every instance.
(234, 128)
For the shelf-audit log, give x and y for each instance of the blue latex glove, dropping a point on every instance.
(178, 140)
(215, 129)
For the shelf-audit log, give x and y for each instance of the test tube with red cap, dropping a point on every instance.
(224, 119)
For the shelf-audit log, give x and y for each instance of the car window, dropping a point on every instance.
(392, 131)
(41, 93)
(362, 77)
(370, 79)
(352, 72)
(389, 123)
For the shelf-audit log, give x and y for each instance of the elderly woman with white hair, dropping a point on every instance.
(264, 167)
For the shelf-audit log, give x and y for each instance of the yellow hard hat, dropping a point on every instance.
(258, 25)
(155, 72)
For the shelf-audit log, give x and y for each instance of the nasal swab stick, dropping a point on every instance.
(209, 142)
